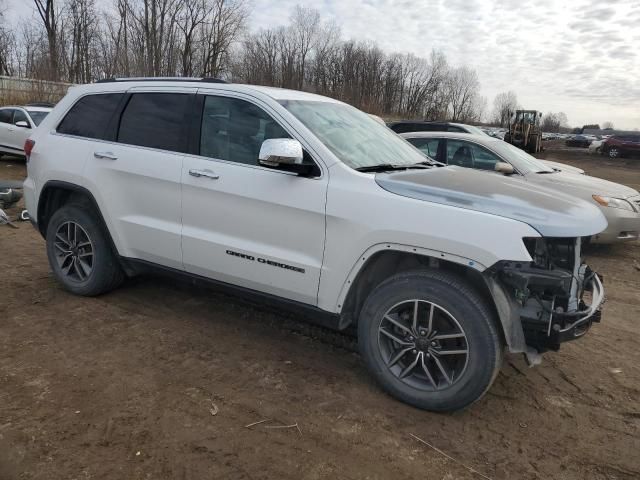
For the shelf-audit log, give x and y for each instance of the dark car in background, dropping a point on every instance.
(580, 141)
(621, 145)
(406, 126)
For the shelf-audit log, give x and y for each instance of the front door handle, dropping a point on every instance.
(105, 155)
(204, 173)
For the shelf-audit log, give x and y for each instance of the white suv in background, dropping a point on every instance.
(16, 124)
(308, 202)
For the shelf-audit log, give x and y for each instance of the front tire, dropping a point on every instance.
(614, 152)
(430, 340)
(79, 252)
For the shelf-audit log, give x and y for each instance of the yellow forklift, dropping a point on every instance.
(524, 131)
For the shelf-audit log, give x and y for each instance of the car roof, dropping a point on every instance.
(273, 92)
(482, 139)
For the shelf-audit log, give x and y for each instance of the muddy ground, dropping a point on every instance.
(158, 380)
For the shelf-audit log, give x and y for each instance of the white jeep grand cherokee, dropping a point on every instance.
(306, 200)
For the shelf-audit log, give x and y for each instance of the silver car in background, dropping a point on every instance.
(619, 203)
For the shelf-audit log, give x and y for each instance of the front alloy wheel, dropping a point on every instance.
(423, 345)
(614, 152)
(430, 339)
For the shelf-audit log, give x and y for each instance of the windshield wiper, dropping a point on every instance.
(432, 163)
(382, 167)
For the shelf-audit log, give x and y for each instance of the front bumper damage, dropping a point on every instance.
(551, 300)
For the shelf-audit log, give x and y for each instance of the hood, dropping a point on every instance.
(551, 213)
(563, 167)
(583, 185)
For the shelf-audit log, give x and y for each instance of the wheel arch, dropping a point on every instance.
(384, 260)
(56, 193)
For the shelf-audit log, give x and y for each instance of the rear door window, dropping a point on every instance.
(6, 115)
(90, 115)
(155, 120)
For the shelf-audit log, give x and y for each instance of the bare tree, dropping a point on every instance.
(462, 87)
(81, 40)
(7, 42)
(553, 122)
(224, 25)
(305, 27)
(192, 16)
(504, 105)
(49, 16)
(607, 125)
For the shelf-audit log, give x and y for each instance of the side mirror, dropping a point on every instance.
(23, 124)
(276, 152)
(286, 154)
(504, 168)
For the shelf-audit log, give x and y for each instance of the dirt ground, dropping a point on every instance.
(161, 381)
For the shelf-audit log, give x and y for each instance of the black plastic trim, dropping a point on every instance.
(12, 148)
(311, 313)
(75, 188)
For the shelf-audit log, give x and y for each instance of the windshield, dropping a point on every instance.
(353, 136)
(37, 116)
(520, 159)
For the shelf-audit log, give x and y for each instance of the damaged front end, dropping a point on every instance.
(553, 299)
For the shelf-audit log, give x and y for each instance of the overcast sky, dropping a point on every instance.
(581, 57)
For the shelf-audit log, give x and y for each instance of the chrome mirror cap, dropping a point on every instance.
(280, 151)
(504, 167)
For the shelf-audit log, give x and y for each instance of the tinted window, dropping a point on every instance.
(155, 120)
(233, 129)
(90, 116)
(5, 115)
(428, 146)
(470, 155)
(20, 116)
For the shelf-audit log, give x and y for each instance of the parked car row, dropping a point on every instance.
(440, 252)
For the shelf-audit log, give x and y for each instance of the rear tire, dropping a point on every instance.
(443, 377)
(80, 253)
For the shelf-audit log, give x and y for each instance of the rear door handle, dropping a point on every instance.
(204, 173)
(105, 155)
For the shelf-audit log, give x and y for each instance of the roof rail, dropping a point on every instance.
(162, 79)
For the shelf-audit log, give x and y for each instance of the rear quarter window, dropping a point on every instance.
(90, 116)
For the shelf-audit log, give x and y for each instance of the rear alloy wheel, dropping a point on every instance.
(614, 152)
(80, 253)
(73, 251)
(430, 340)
